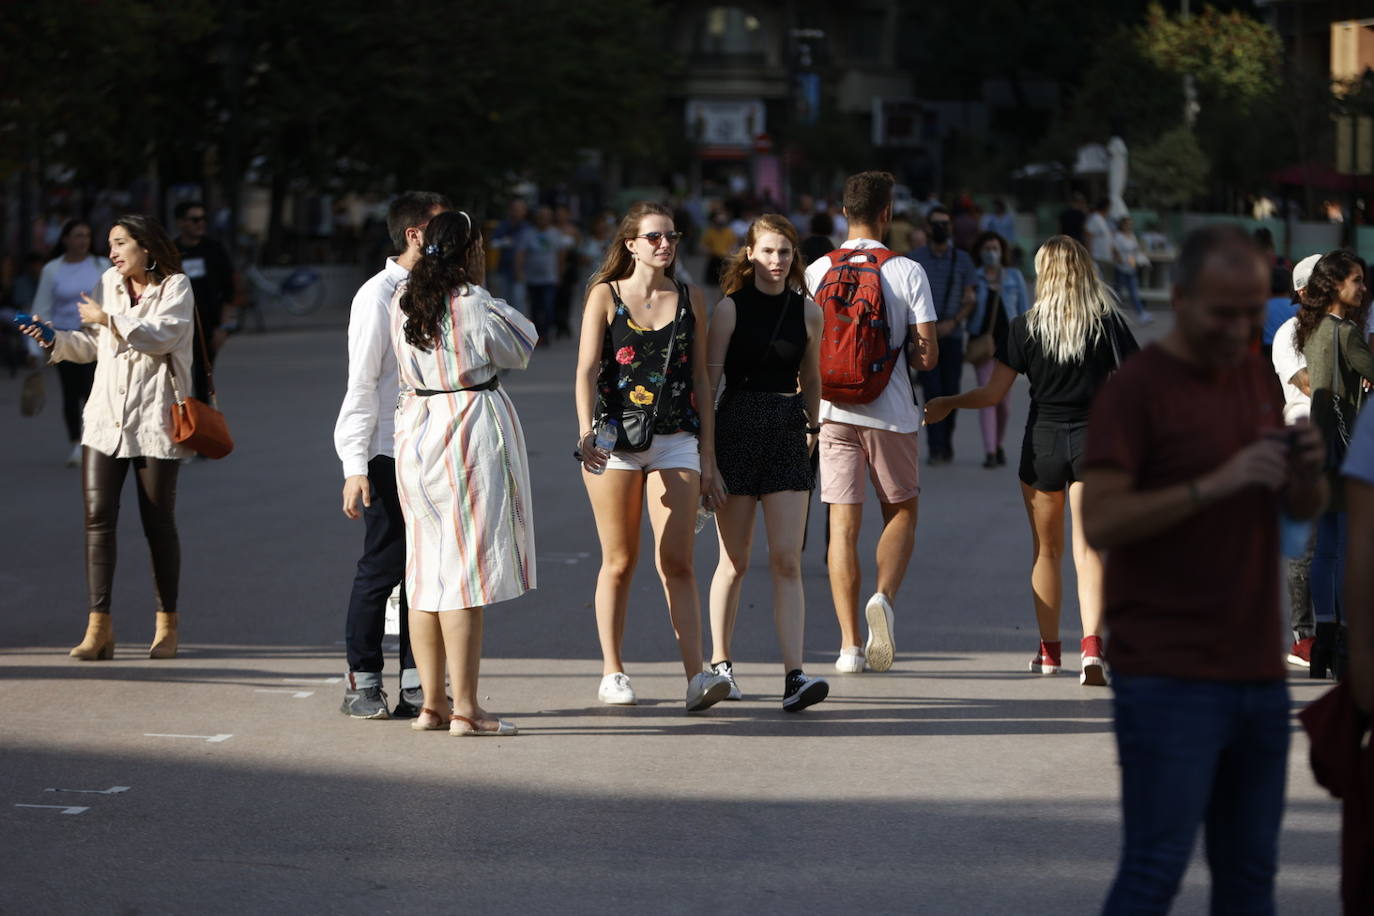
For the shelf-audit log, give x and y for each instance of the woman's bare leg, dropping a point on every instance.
(735, 532)
(427, 644)
(616, 497)
(673, 496)
(1046, 514)
(784, 518)
(1088, 563)
(463, 643)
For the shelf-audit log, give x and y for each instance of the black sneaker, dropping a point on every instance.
(365, 703)
(409, 705)
(800, 691)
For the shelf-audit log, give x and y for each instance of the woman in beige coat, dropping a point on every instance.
(136, 326)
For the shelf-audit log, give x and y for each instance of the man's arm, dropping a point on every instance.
(368, 344)
(1115, 513)
(924, 343)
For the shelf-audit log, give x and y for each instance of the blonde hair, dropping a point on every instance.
(739, 272)
(1071, 301)
(618, 263)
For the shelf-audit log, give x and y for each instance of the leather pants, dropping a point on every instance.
(102, 480)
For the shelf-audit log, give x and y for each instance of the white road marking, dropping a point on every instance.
(312, 680)
(297, 694)
(65, 809)
(208, 739)
(112, 790)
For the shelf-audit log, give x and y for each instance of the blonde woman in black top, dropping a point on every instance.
(765, 338)
(1067, 345)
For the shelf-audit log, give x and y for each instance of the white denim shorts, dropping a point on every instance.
(676, 450)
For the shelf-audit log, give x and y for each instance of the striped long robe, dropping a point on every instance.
(461, 467)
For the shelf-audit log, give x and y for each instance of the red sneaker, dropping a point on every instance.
(1046, 661)
(1300, 655)
(1094, 673)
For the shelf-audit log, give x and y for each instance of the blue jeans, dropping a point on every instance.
(1128, 286)
(542, 298)
(943, 381)
(1328, 568)
(1192, 753)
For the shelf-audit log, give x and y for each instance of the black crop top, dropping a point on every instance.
(747, 366)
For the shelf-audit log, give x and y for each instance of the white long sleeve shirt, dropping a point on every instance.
(367, 419)
(129, 412)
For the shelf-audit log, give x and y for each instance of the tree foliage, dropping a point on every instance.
(1172, 170)
(1233, 56)
(330, 95)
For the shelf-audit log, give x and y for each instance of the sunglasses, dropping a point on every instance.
(655, 237)
(194, 219)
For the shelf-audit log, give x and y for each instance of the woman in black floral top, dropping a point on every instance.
(643, 349)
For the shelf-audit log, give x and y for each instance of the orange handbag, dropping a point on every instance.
(195, 424)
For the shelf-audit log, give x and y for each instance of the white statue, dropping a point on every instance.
(1117, 165)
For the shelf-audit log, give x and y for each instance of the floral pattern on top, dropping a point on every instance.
(632, 369)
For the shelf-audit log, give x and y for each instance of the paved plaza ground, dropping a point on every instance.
(955, 783)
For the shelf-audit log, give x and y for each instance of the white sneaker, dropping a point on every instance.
(615, 690)
(727, 670)
(880, 648)
(74, 459)
(851, 661)
(705, 690)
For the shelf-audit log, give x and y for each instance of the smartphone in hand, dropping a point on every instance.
(23, 320)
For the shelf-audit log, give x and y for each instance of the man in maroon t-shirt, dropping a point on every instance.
(1188, 467)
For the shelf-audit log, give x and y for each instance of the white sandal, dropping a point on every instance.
(463, 727)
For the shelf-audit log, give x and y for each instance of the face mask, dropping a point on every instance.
(939, 233)
(991, 257)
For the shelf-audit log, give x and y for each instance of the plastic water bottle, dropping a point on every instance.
(606, 438)
(704, 515)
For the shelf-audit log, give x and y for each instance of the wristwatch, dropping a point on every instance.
(814, 430)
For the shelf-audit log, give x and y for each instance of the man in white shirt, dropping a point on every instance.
(364, 440)
(878, 439)
(1097, 231)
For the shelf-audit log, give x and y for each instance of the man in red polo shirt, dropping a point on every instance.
(1188, 467)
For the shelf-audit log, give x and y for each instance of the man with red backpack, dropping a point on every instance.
(878, 316)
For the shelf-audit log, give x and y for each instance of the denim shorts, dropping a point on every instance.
(675, 450)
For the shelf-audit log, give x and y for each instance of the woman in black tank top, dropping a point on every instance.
(641, 349)
(765, 339)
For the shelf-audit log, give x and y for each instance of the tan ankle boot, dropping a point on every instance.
(165, 640)
(99, 644)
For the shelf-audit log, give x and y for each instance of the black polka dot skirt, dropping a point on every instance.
(761, 443)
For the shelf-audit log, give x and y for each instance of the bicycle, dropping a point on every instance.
(299, 292)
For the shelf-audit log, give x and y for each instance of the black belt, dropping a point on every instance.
(490, 384)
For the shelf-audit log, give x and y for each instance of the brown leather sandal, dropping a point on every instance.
(420, 726)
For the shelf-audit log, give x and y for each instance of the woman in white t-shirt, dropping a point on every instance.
(1129, 259)
(72, 273)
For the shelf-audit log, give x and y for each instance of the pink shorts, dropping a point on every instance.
(851, 453)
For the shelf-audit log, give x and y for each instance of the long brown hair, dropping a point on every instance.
(1323, 290)
(444, 268)
(148, 234)
(739, 271)
(618, 264)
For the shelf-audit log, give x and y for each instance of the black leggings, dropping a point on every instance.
(102, 481)
(76, 379)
